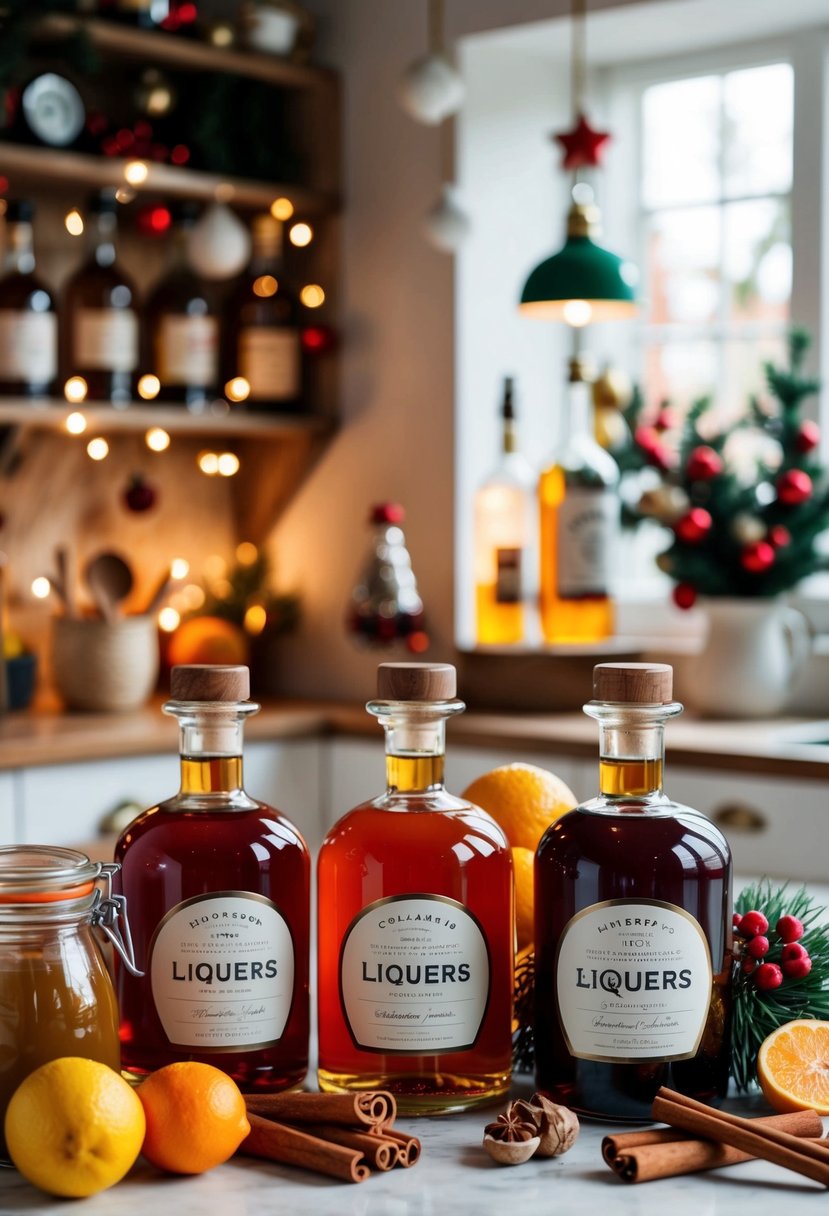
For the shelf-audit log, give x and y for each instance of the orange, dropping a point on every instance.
(74, 1127)
(522, 863)
(523, 799)
(793, 1066)
(196, 1117)
(208, 639)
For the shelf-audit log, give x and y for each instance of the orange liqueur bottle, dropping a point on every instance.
(633, 923)
(220, 887)
(416, 922)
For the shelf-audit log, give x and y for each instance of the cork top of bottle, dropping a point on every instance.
(209, 682)
(633, 683)
(416, 682)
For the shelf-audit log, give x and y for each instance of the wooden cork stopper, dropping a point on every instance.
(633, 683)
(416, 682)
(209, 682)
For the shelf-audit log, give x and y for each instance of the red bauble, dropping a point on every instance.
(703, 464)
(583, 146)
(757, 557)
(780, 536)
(647, 439)
(139, 495)
(694, 526)
(808, 436)
(794, 487)
(685, 595)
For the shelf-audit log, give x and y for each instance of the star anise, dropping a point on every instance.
(511, 1127)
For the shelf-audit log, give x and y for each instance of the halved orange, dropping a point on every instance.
(793, 1066)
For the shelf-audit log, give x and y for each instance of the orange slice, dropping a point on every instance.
(793, 1066)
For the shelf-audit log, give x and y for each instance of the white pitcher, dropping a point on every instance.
(753, 651)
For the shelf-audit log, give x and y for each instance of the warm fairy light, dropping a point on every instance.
(312, 295)
(149, 387)
(228, 465)
(135, 172)
(75, 423)
(75, 389)
(192, 596)
(169, 620)
(215, 566)
(246, 553)
(97, 449)
(41, 588)
(222, 589)
(237, 389)
(256, 618)
(208, 462)
(282, 208)
(179, 567)
(73, 222)
(266, 285)
(124, 195)
(577, 312)
(301, 235)
(157, 439)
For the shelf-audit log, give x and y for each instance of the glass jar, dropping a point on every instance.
(56, 995)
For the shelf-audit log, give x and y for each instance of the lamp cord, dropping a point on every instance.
(578, 55)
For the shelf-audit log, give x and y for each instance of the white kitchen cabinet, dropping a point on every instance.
(8, 806)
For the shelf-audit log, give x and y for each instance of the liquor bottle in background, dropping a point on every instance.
(504, 527)
(262, 325)
(99, 321)
(182, 326)
(146, 14)
(416, 926)
(220, 886)
(578, 526)
(385, 605)
(28, 320)
(633, 923)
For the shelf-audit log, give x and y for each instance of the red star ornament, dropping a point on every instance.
(583, 146)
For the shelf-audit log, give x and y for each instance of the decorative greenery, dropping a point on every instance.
(523, 1049)
(247, 584)
(757, 1012)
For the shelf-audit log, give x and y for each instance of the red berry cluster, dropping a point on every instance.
(795, 962)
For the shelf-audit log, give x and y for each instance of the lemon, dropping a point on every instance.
(74, 1127)
(523, 800)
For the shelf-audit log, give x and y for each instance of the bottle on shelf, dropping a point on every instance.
(416, 925)
(633, 923)
(578, 526)
(504, 549)
(385, 605)
(100, 329)
(262, 326)
(145, 14)
(28, 319)
(182, 326)
(220, 886)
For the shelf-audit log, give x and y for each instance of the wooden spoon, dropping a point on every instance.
(109, 578)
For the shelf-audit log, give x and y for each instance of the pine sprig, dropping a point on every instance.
(523, 1047)
(757, 1013)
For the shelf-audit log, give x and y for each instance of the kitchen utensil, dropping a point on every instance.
(109, 578)
(160, 592)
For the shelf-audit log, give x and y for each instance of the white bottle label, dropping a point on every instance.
(106, 339)
(587, 527)
(269, 359)
(633, 982)
(28, 346)
(187, 350)
(222, 972)
(414, 976)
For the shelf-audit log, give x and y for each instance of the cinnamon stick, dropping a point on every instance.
(276, 1142)
(807, 1157)
(643, 1156)
(408, 1147)
(368, 1109)
(379, 1151)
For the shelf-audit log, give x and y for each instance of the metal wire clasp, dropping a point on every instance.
(109, 912)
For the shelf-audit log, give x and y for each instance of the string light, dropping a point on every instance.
(256, 618)
(301, 235)
(215, 567)
(237, 389)
(75, 389)
(246, 553)
(179, 567)
(265, 286)
(157, 439)
(73, 222)
(75, 423)
(41, 588)
(282, 208)
(97, 449)
(169, 620)
(312, 295)
(228, 464)
(192, 597)
(135, 172)
(149, 387)
(208, 462)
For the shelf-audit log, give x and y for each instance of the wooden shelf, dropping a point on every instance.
(176, 419)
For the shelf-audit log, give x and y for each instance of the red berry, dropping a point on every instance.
(789, 929)
(757, 557)
(780, 536)
(808, 436)
(767, 976)
(798, 968)
(753, 922)
(703, 464)
(794, 487)
(736, 920)
(694, 526)
(757, 946)
(667, 419)
(647, 438)
(685, 595)
(793, 951)
(747, 965)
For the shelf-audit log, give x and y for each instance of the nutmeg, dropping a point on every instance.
(558, 1126)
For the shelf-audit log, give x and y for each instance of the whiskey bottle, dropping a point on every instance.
(28, 321)
(220, 887)
(262, 325)
(503, 540)
(633, 923)
(182, 326)
(416, 923)
(578, 522)
(99, 318)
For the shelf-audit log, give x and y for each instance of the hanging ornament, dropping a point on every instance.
(446, 225)
(583, 146)
(794, 487)
(139, 495)
(747, 529)
(780, 537)
(385, 606)
(219, 245)
(664, 502)
(317, 339)
(757, 557)
(431, 88)
(808, 436)
(703, 464)
(667, 419)
(693, 527)
(684, 595)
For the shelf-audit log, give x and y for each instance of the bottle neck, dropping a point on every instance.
(415, 743)
(631, 747)
(20, 255)
(211, 745)
(102, 230)
(577, 417)
(509, 439)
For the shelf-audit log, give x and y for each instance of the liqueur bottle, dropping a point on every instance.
(633, 923)
(416, 922)
(262, 326)
(578, 521)
(182, 327)
(99, 318)
(220, 887)
(385, 605)
(503, 539)
(28, 321)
